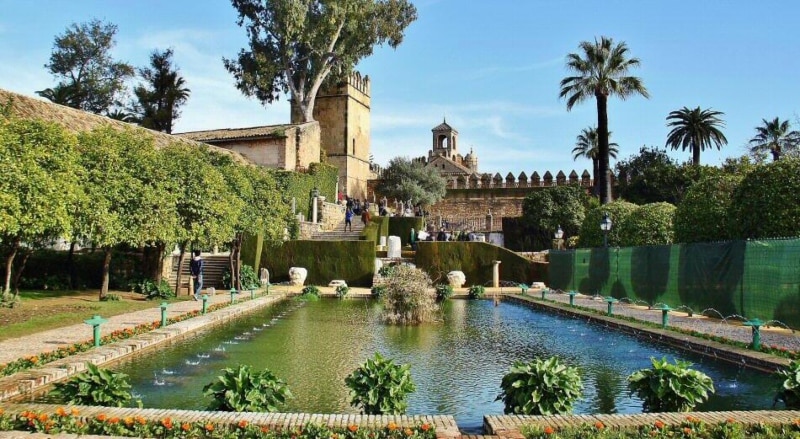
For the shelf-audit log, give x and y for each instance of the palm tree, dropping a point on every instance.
(601, 73)
(586, 146)
(774, 136)
(162, 94)
(695, 129)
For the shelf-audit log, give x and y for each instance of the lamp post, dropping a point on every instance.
(605, 226)
(559, 235)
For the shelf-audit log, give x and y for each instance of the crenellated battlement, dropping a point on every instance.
(360, 83)
(522, 180)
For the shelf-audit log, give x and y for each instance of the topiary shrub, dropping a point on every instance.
(443, 292)
(409, 297)
(766, 204)
(310, 292)
(592, 236)
(341, 291)
(379, 387)
(476, 291)
(670, 387)
(243, 390)
(702, 216)
(648, 224)
(94, 386)
(541, 387)
(789, 392)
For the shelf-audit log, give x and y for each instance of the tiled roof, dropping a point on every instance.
(76, 120)
(443, 127)
(237, 133)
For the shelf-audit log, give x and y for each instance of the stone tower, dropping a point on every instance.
(444, 141)
(343, 113)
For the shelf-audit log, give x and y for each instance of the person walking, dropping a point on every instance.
(365, 217)
(196, 268)
(348, 219)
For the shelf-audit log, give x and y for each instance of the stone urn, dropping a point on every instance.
(456, 279)
(297, 276)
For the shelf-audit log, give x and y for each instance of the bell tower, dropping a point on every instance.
(444, 141)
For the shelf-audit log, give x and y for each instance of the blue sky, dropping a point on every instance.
(491, 67)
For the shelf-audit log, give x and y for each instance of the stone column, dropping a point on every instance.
(314, 210)
(489, 219)
(496, 274)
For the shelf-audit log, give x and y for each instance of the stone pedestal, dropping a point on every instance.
(496, 274)
(456, 279)
(314, 210)
(378, 265)
(395, 247)
(297, 276)
(382, 241)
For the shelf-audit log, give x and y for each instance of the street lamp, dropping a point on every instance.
(605, 226)
(559, 235)
(315, 192)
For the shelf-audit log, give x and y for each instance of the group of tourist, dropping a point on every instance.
(355, 207)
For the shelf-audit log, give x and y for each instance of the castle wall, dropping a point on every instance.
(271, 153)
(305, 140)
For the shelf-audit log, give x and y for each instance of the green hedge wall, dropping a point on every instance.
(47, 269)
(401, 226)
(475, 260)
(378, 226)
(252, 246)
(299, 186)
(352, 261)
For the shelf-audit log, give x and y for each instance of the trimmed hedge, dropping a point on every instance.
(592, 236)
(352, 261)
(648, 224)
(47, 269)
(378, 226)
(475, 260)
(702, 216)
(401, 226)
(766, 204)
(299, 186)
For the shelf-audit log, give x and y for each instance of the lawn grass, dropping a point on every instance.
(44, 310)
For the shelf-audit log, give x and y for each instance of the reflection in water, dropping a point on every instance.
(457, 363)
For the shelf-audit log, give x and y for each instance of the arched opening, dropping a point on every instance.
(443, 142)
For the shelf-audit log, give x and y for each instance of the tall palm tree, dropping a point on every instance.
(774, 136)
(601, 71)
(586, 146)
(161, 95)
(695, 129)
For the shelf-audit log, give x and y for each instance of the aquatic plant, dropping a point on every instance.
(540, 387)
(94, 386)
(380, 387)
(670, 387)
(244, 390)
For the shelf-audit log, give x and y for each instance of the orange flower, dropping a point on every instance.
(102, 417)
(29, 415)
(659, 425)
(599, 425)
(128, 421)
(167, 423)
(140, 420)
(353, 428)
(549, 430)
(61, 412)
(42, 417)
(209, 427)
(408, 432)
(730, 420)
(425, 427)
(242, 424)
(692, 419)
(114, 420)
(687, 431)
(265, 429)
(34, 360)
(392, 426)
(79, 424)
(74, 412)
(186, 427)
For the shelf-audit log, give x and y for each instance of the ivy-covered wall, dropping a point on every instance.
(475, 259)
(299, 185)
(352, 261)
(401, 226)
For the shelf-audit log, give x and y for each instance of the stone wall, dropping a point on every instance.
(304, 141)
(308, 229)
(270, 153)
(332, 215)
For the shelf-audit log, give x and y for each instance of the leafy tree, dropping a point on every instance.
(702, 216)
(89, 79)
(695, 129)
(162, 94)
(406, 180)
(776, 137)
(543, 211)
(592, 236)
(295, 45)
(600, 71)
(648, 224)
(38, 188)
(766, 204)
(586, 146)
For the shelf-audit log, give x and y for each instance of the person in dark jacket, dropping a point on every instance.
(196, 268)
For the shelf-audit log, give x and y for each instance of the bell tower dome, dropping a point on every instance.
(444, 141)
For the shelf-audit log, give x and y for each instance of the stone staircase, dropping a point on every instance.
(214, 266)
(338, 234)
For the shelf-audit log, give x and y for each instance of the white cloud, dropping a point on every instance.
(493, 71)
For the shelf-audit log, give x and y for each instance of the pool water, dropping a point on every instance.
(457, 364)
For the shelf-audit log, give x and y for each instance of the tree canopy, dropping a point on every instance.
(586, 146)
(543, 211)
(89, 78)
(405, 180)
(296, 44)
(776, 137)
(696, 130)
(160, 96)
(600, 71)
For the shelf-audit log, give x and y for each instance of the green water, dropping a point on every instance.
(457, 364)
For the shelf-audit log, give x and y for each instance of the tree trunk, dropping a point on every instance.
(159, 270)
(9, 265)
(73, 276)
(106, 270)
(695, 154)
(180, 269)
(602, 148)
(238, 260)
(231, 265)
(18, 274)
(595, 168)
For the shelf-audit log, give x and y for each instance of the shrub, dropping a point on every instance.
(380, 387)
(95, 386)
(476, 291)
(766, 204)
(341, 291)
(111, 297)
(789, 392)
(243, 390)
(378, 291)
(385, 270)
(310, 290)
(153, 290)
(409, 298)
(648, 224)
(249, 278)
(443, 292)
(541, 387)
(592, 236)
(702, 216)
(670, 387)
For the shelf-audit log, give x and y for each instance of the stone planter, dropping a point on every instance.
(457, 279)
(297, 276)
